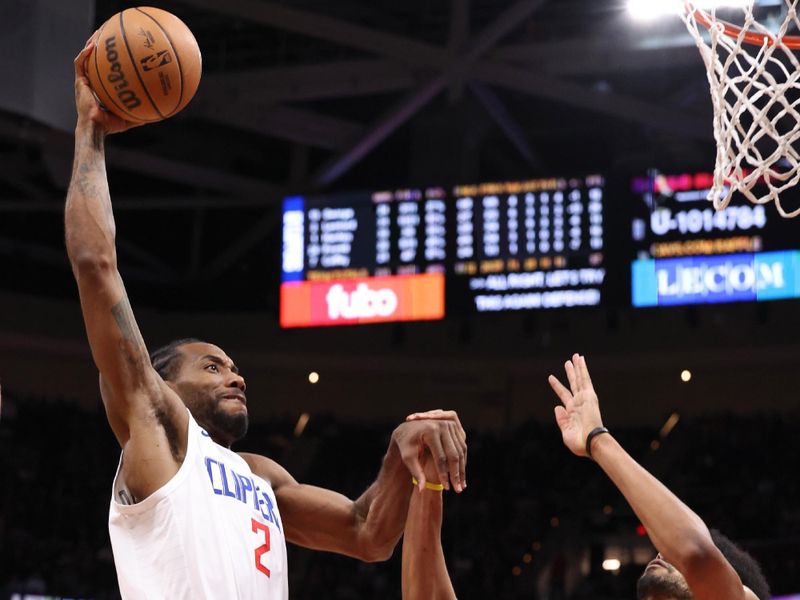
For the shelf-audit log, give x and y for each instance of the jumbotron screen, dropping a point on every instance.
(688, 253)
(418, 254)
(528, 245)
(363, 258)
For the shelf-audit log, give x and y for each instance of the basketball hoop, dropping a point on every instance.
(755, 94)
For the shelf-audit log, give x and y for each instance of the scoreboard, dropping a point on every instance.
(687, 253)
(362, 258)
(418, 254)
(528, 245)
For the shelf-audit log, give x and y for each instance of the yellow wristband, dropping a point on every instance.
(436, 487)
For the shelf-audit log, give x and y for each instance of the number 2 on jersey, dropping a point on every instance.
(263, 548)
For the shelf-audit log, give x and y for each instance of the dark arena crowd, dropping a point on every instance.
(535, 523)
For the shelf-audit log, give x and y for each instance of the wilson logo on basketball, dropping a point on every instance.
(155, 61)
(117, 78)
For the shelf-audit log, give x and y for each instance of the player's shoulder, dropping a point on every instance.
(267, 469)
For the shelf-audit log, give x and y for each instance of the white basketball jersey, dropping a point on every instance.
(212, 532)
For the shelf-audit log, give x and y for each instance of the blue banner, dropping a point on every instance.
(294, 240)
(715, 279)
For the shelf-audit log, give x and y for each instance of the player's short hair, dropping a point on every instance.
(744, 564)
(167, 359)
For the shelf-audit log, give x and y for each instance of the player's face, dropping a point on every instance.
(662, 581)
(210, 385)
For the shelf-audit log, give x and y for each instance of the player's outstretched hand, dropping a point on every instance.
(442, 435)
(89, 109)
(579, 411)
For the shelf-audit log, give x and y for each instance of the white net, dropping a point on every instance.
(755, 92)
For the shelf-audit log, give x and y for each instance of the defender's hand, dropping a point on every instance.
(446, 441)
(580, 412)
(89, 110)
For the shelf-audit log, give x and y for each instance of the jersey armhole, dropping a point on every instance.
(119, 492)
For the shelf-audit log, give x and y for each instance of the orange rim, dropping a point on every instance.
(731, 30)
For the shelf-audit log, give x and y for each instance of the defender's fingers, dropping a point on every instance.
(563, 393)
(583, 370)
(411, 460)
(569, 368)
(562, 417)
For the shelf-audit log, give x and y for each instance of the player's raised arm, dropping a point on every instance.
(131, 388)
(370, 527)
(681, 537)
(424, 572)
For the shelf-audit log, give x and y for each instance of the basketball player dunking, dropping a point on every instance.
(189, 518)
(693, 563)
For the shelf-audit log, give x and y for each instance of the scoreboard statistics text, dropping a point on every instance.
(417, 254)
(688, 253)
(528, 245)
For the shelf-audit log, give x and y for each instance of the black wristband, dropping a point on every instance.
(593, 434)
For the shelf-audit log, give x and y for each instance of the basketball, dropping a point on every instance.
(146, 65)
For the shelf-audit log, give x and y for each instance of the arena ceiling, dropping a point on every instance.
(311, 95)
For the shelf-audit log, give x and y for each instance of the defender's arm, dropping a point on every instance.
(425, 574)
(675, 530)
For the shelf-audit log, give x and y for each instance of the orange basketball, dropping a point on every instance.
(146, 65)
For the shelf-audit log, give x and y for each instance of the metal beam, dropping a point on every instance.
(168, 169)
(197, 176)
(147, 204)
(293, 124)
(196, 246)
(483, 42)
(383, 128)
(456, 41)
(341, 32)
(579, 96)
(339, 79)
(58, 257)
(497, 110)
(267, 224)
(149, 261)
(579, 57)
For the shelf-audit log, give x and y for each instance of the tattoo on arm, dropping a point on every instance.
(132, 344)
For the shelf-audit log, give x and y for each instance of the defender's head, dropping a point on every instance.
(209, 383)
(662, 581)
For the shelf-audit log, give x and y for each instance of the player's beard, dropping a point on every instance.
(206, 407)
(232, 425)
(655, 585)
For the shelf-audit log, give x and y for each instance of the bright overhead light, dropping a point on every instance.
(686, 376)
(611, 564)
(313, 377)
(647, 10)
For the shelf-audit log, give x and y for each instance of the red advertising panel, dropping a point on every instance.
(418, 297)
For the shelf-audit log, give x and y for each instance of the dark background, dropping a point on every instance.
(315, 97)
